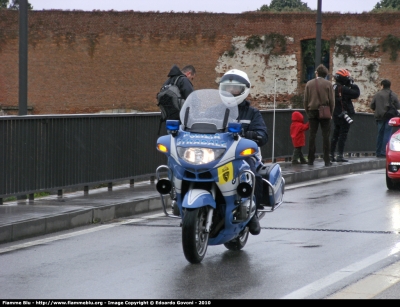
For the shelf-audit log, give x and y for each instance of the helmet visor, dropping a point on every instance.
(235, 89)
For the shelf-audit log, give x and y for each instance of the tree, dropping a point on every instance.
(3, 4)
(14, 5)
(387, 5)
(285, 6)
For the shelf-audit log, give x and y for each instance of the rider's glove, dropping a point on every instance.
(252, 135)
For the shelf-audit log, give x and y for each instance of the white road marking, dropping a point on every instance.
(372, 285)
(345, 272)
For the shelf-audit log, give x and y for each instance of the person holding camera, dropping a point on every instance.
(345, 90)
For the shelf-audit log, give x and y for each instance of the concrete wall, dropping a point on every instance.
(89, 62)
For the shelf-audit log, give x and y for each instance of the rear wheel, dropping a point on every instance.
(175, 208)
(239, 242)
(174, 205)
(194, 235)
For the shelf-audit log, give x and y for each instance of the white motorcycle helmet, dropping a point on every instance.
(234, 87)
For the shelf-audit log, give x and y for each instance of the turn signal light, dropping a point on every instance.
(248, 152)
(162, 148)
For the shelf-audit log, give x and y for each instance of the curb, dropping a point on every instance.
(76, 218)
(334, 170)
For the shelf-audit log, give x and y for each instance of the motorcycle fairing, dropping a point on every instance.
(235, 149)
(197, 198)
(229, 155)
(174, 154)
(166, 141)
(225, 176)
(228, 188)
(231, 229)
(213, 141)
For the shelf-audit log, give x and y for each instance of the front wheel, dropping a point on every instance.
(391, 185)
(239, 242)
(194, 235)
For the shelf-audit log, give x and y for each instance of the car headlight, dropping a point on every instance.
(394, 143)
(198, 155)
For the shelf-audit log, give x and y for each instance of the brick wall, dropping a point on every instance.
(87, 62)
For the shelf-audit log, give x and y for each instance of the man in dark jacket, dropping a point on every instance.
(185, 82)
(237, 83)
(345, 90)
(380, 104)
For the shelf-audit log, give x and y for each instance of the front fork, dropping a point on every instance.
(164, 202)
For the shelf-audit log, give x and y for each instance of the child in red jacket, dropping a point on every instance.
(297, 132)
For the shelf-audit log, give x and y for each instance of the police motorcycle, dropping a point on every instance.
(207, 178)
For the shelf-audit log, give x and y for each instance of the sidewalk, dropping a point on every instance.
(24, 219)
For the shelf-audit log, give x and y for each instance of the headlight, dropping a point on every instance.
(394, 143)
(198, 155)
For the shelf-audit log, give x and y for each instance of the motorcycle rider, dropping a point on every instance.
(238, 84)
(345, 90)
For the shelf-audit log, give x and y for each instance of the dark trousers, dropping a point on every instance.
(383, 137)
(340, 130)
(326, 129)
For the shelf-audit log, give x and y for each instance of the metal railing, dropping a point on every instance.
(41, 153)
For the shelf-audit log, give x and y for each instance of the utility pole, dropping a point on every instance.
(23, 63)
(23, 57)
(318, 37)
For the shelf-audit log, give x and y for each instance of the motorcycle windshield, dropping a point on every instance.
(205, 112)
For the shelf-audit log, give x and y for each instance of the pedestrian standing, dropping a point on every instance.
(319, 91)
(380, 104)
(298, 135)
(345, 90)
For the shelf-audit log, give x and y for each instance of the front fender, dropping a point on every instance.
(197, 198)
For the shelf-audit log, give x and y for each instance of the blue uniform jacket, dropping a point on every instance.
(251, 120)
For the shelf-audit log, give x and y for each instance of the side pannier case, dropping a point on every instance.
(273, 185)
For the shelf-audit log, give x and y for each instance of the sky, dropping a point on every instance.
(216, 6)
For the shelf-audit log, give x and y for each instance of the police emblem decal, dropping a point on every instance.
(225, 173)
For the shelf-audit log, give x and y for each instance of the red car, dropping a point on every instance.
(393, 157)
